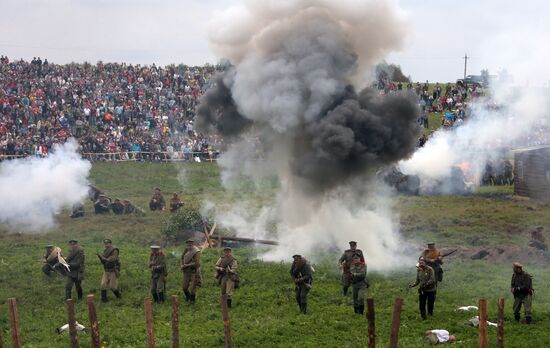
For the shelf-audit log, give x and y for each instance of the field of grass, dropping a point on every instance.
(264, 313)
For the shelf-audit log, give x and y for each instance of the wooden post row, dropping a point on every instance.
(500, 323)
(149, 323)
(226, 322)
(370, 319)
(483, 341)
(175, 322)
(14, 321)
(94, 325)
(396, 321)
(72, 323)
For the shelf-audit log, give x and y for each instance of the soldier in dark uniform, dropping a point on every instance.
(117, 206)
(345, 262)
(425, 279)
(157, 265)
(157, 201)
(102, 205)
(175, 203)
(76, 269)
(522, 288)
(358, 270)
(111, 270)
(302, 275)
(190, 266)
(77, 210)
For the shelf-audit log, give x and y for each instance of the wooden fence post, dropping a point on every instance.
(483, 342)
(175, 322)
(396, 321)
(500, 323)
(72, 323)
(1, 339)
(370, 319)
(226, 322)
(149, 323)
(14, 320)
(94, 326)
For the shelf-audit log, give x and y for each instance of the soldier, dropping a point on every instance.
(77, 210)
(111, 270)
(157, 265)
(425, 278)
(433, 258)
(117, 207)
(190, 266)
(175, 203)
(51, 259)
(157, 201)
(302, 275)
(359, 283)
(345, 262)
(102, 205)
(227, 275)
(522, 288)
(76, 269)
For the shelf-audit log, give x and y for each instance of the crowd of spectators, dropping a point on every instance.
(113, 110)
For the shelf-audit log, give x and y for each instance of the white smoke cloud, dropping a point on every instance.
(33, 190)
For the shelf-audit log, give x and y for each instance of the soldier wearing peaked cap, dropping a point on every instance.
(76, 273)
(302, 275)
(522, 288)
(190, 266)
(159, 272)
(345, 262)
(228, 278)
(427, 287)
(111, 270)
(433, 258)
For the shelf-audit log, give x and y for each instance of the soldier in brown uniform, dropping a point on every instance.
(227, 276)
(425, 279)
(76, 269)
(190, 266)
(111, 270)
(433, 258)
(50, 259)
(157, 201)
(175, 203)
(345, 263)
(522, 288)
(157, 265)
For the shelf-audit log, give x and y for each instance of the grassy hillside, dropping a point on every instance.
(265, 314)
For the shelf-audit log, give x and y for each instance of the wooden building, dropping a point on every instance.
(532, 172)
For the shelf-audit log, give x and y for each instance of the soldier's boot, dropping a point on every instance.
(104, 296)
(361, 309)
(527, 320)
(117, 294)
(345, 290)
(161, 297)
(155, 297)
(79, 293)
(303, 308)
(187, 295)
(68, 294)
(192, 298)
(228, 303)
(423, 315)
(355, 309)
(516, 316)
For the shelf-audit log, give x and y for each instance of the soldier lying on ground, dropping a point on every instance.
(102, 205)
(77, 210)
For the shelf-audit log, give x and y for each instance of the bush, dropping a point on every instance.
(183, 223)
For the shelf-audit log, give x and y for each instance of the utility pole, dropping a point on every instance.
(465, 63)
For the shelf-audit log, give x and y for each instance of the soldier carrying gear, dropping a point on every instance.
(157, 201)
(190, 266)
(159, 272)
(76, 272)
(433, 258)
(226, 273)
(302, 276)
(522, 288)
(52, 260)
(175, 203)
(425, 278)
(111, 270)
(358, 270)
(102, 205)
(345, 262)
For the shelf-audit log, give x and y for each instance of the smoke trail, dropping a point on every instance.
(296, 69)
(33, 190)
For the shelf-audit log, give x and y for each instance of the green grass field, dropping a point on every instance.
(264, 313)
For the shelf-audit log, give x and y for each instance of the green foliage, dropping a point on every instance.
(186, 219)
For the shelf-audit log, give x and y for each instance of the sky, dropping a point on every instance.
(495, 34)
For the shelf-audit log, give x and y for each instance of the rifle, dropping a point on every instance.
(449, 253)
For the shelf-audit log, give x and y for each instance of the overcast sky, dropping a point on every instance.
(496, 34)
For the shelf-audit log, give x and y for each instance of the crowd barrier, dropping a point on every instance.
(147, 156)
